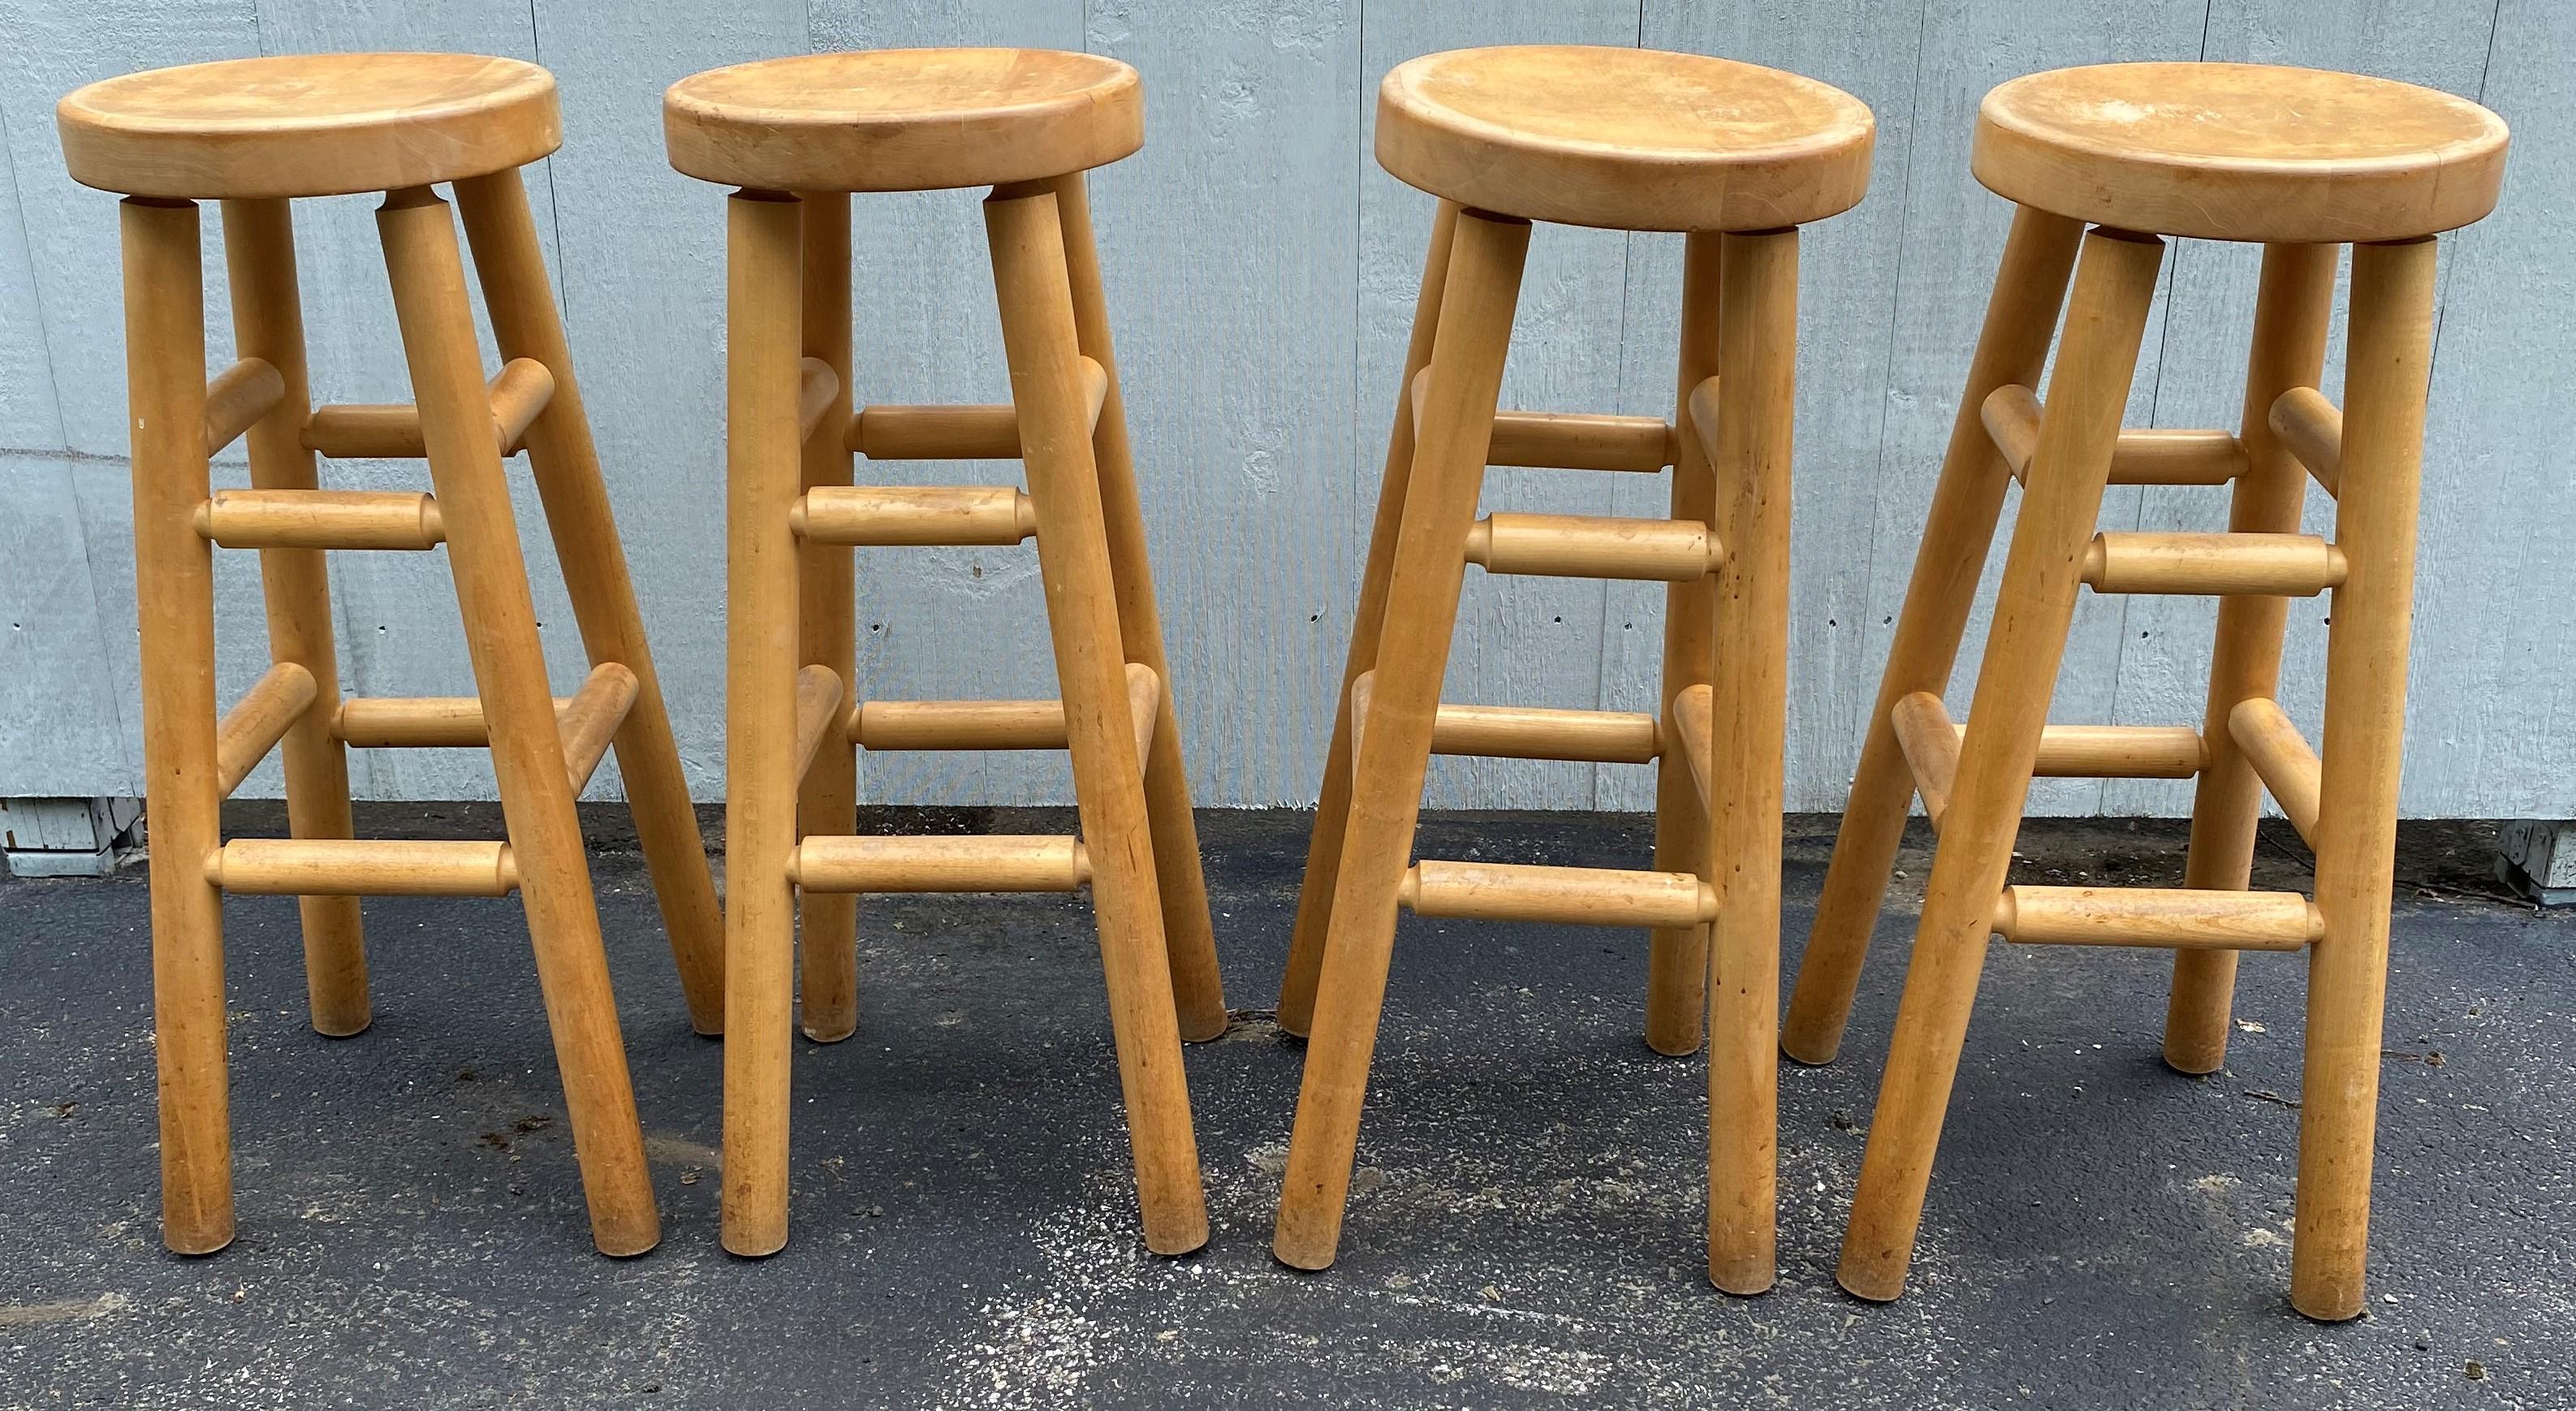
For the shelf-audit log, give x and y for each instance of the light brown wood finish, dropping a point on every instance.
(2287, 351)
(1198, 990)
(1040, 337)
(1931, 746)
(564, 462)
(2086, 394)
(763, 591)
(2388, 365)
(1757, 414)
(363, 867)
(904, 119)
(591, 720)
(827, 625)
(1566, 896)
(428, 278)
(308, 125)
(165, 373)
(2241, 151)
(1333, 807)
(888, 515)
(322, 519)
(415, 722)
(268, 324)
(2184, 918)
(254, 725)
(1628, 139)
(238, 396)
(2146, 456)
(2030, 284)
(2312, 428)
(1410, 656)
(987, 863)
(2280, 757)
(1594, 546)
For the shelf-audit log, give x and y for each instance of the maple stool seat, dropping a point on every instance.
(2302, 161)
(1737, 156)
(256, 133)
(798, 136)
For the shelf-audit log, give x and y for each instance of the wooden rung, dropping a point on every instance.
(262, 717)
(1525, 732)
(961, 432)
(391, 430)
(589, 722)
(1930, 744)
(1594, 546)
(957, 725)
(2173, 918)
(2116, 752)
(322, 519)
(1694, 710)
(238, 397)
(1574, 896)
(417, 722)
(816, 386)
(929, 515)
(1144, 706)
(342, 867)
(2271, 565)
(2149, 456)
(818, 707)
(978, 864)
(1703, 416)
(2281, 759)
(2312, 428)
(1570, 440)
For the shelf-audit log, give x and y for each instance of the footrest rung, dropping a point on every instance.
(589, 722)
(262, 717)
(2172, 918)
(238, 397)
(992, 725)
(2147, 456)
(954, 432)
(321, 519)
(1594, 546)
(1525, 732)
(391, 430)
(1574, 896)
(2312, 428)
(2261, 565)
(2281, 758)
(937, 516)
(1930, 744)
(975, 864)
(417, 722)
(1571, 440)
(345, 867)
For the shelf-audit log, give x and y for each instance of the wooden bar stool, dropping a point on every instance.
(1738, 157)
(798, 135)
(2301, 161)
(256, 133)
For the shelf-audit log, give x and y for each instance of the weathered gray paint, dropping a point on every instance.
(1261, 273)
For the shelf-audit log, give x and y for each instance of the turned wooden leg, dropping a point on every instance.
(165, 378)
(268, 323)
(1481, 289)
(1332, 810)
(2033, 608)
(1677, 956)
(1040, 340)
(1757, 415)
(565, 465)
(2289, 350)
(828, 804)
(2012, 347)
(428, 279)
(763, 467)
(1189, 938)
(2388, 363)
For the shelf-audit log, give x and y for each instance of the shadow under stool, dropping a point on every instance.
(1622, 139)
(2303, 162)
(799, 135)
(256, 134)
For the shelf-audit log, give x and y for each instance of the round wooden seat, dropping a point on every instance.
(1627, 139)
(2241, 152)
(308, 125)
(904, 119)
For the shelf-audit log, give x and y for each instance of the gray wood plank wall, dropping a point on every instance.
(1261, 272)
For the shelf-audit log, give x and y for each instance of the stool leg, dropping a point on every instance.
(1677, 956)
(1332, 811)
(565, 464)
(1198, 991)
(2033, 608)
(1039, 338)
(2289, 349)
(762, 468)
(268, 323)
(165, 363)
(2388, 364)
(428, 281)
(828, 922)
(2012, 347)
(1481, 290)
(1757, 410)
